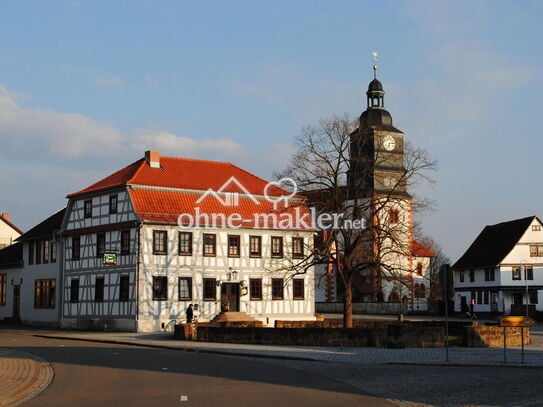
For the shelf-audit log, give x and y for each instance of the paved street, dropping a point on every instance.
(405, 377)
(90, 374)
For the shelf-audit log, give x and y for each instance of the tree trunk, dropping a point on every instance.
(348, 306)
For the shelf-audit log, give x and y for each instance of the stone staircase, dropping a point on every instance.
(235, 319)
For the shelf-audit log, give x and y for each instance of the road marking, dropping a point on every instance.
(184, 398)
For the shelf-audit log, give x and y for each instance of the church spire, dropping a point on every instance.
(375, 114)
(375, 93)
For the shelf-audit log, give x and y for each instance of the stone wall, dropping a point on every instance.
(492, 336)
(328, 333)
(382, 308)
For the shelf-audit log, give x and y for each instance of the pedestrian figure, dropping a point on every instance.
(189, 313)
(472, 308)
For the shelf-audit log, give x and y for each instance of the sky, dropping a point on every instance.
(87, 86)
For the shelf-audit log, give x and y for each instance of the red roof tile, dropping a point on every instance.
(166, 206)
(162, 194)
(418, 250)
(116, 179)
(185, 173)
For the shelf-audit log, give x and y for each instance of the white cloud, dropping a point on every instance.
(62, 139)
(186, 146)
(45, 154)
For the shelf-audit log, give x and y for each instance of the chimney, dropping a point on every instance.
(153, 158)
(5, 216)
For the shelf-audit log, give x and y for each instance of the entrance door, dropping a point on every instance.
(463, 304)
(230, 297)
(494, 302)
(16, 301)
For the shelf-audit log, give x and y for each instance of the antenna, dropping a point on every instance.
(374, 59)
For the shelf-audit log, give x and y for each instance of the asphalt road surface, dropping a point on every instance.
(94, 374)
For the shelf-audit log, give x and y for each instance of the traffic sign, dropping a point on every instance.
(520, 322)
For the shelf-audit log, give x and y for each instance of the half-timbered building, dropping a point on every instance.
(148, 240)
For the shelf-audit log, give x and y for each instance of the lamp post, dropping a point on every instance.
(524, 269)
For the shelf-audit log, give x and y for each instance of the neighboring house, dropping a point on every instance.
(377, 174)
(41, 275)
(138, 249)
(11, 263)
(503, 264)
(30, 274)
(8, 231)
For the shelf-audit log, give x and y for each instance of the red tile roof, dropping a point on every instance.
(418, 250)
(162, 194)
(184, 173)
(165, 206)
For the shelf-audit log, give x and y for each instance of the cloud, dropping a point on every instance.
(109, 82)
(46, 154)
(186, 146)
(59, 138)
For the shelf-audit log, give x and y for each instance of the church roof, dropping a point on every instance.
(375, 86)
(419, 250)
(493, 244)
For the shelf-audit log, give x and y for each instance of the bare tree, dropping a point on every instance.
(434, 272)
(342, 170)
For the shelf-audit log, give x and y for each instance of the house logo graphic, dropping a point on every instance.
(292, 215)
(228, 198)
(232, 199)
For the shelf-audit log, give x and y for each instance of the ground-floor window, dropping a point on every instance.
(185, 288)
(533, 297)
(124, 288)
(44, 293)
(210, 289)
(517, 299)
(160, 288)
(74, 290)
(3, 288)
(99, 289)
(298, 288)
(255, 289)
(277, 289)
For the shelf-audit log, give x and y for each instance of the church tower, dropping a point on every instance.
(376, 150)
(377, 182)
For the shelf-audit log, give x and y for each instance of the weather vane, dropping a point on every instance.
(374, 55)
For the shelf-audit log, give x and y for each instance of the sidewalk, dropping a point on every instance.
(22, 376)
(458, 356)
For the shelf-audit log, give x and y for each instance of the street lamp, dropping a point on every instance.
(524, 269)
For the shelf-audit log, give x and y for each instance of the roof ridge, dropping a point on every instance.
(194, 159)
(140, 167)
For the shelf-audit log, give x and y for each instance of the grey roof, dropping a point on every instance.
(45, 228)
(493, 244)
(11, 256)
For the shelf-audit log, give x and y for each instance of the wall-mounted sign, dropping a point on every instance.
(109, 259)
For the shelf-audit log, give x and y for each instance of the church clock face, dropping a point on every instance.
(389, 143)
